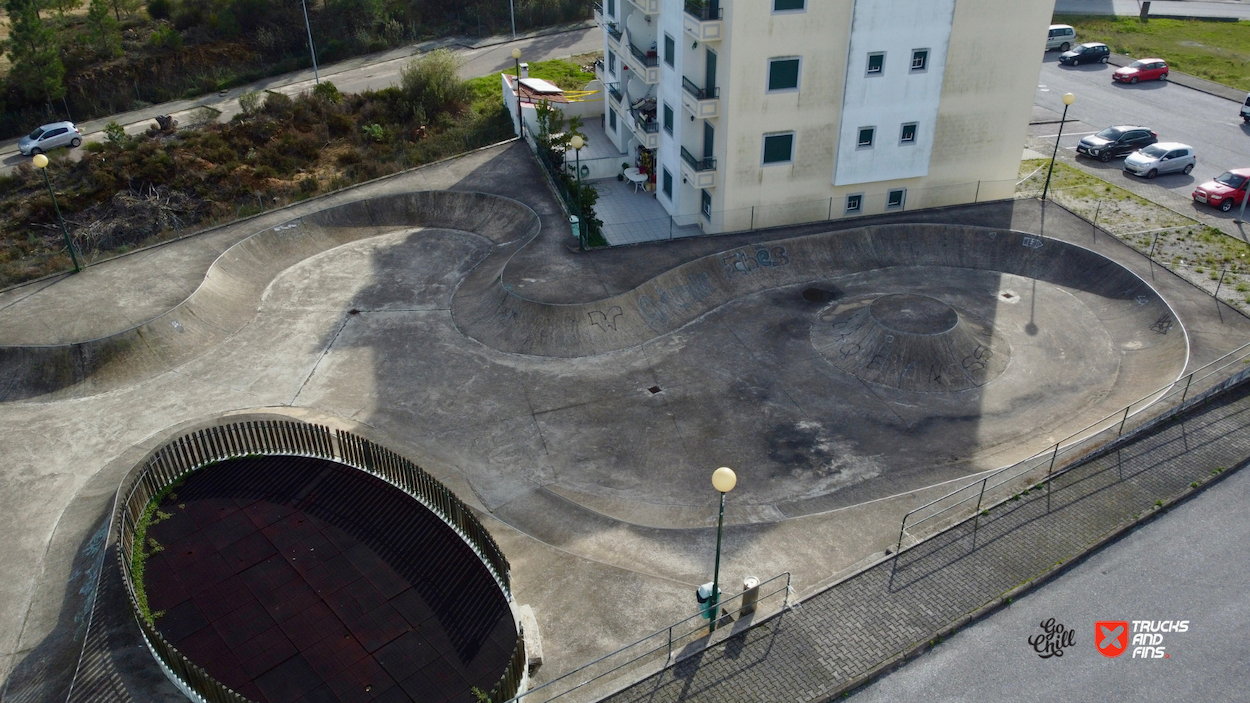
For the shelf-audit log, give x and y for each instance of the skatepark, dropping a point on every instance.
(578, 402)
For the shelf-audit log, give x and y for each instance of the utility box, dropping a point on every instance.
(750, 594)
(576, 226)
(703, 594)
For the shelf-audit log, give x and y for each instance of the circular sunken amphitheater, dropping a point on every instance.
(301, 579)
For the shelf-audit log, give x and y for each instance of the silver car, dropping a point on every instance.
(48, 137)
(1161, 157)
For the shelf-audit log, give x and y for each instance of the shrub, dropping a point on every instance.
(278, 105)
(328, 92)
(166, 37)
(160, 9)
(249, 104)
(431, 85)
(374, 132)
(115, 133)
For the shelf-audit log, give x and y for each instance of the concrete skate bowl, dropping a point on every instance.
(230, 294)
(276, 561)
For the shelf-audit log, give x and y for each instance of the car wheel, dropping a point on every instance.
(1226, 205)
(1133, 79)
(35, 151)
(1065, 46)
(1103, 59)
(1152, 173)
(1188, 168)
(75, 142)
(1104, 157)
(1163, 77)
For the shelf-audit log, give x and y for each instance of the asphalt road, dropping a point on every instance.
(351, 76)
(1191, 564)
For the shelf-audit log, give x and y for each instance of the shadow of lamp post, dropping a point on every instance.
(41, 162)
(311, 49)
(723, 480)
(1068, 99)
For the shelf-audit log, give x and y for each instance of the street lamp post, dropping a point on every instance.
(311, 50)
(723, 480)
(577, 143)
(1068, 99)
(41, 162)
(516, 57)
(512, 11)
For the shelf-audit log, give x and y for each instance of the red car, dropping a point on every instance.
(1142, 70)
(1226, 191)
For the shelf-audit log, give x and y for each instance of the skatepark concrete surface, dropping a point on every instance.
(579, 401)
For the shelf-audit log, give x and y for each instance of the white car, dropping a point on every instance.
(48, 137)
(1161, 157)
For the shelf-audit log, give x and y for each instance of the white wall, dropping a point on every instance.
(895, 96)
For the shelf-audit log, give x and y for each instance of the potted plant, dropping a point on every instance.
(621, 176)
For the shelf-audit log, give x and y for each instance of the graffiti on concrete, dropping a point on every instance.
(606, 321)
(763, 257)
(667, 301)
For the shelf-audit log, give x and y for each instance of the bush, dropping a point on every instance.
(278, 105)
(432, 85)
(249, 104)
(160, 9)
(328, 92)
(115, 133)
(166, 37)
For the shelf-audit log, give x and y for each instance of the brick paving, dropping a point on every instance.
(811, 652)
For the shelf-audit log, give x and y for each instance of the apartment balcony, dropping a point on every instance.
(703, 103)
(700, 173)
(645, 127)
(598, 14)
(704, 20)
(615, 32)
(649, 7)
(600, 72)
(644, 64)
(615, 98)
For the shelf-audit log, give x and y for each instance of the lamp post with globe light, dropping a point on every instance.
(723, 480)
(577, 143)
(1068, 99)
(41, 162)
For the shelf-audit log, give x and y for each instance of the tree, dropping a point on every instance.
(62, 6)
(127, 6)
(37, 69)
(432, 85)
(102, 29)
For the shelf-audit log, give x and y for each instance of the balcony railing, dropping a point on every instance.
(615, 31)
(704, 11)
(647, 60)
(650, 125)
(699, 93)
(614, 89)
(707, 163)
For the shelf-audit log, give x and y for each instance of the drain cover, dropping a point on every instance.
(654, 389)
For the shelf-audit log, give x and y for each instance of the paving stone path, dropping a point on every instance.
(811, 652)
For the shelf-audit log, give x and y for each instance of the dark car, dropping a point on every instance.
(1093, 52)
(1116, 141)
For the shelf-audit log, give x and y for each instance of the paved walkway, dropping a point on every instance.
(835, 639)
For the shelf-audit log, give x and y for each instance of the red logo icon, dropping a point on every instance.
(1111, 637)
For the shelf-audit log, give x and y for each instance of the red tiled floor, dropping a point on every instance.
(289, 601)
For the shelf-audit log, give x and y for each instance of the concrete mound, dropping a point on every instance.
(910, 342)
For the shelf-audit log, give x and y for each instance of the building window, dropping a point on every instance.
(667, 184)
(779, 148)
(789, 5)
(612, 63)
(919, 59)
(866, 135)
(783, 74)
(705, 205)
(612, 8)
(854, 203)
(908, 135)
(894, 201)
(668, 119)
(876, 63)
(670, 51)
(612, 119)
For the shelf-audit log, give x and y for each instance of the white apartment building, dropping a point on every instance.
(754, 113)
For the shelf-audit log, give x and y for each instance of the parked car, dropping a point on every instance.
(1161, 157)
(1226, 191)
(1116, 141)
(1093, 52)
(1245, 109)
(49, 136)
(1061, 37)
(1142, 70)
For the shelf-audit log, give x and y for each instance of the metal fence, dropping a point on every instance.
(1038, 470)
(637, 655)
(290, 438)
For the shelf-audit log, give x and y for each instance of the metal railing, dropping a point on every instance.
(647, 124)
(648, 60)
(614, 89)
(212, 445)
(1044, 466)
(614, 31)
(678, 634)
(704, 11)
(706, 163)
(699, 93)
